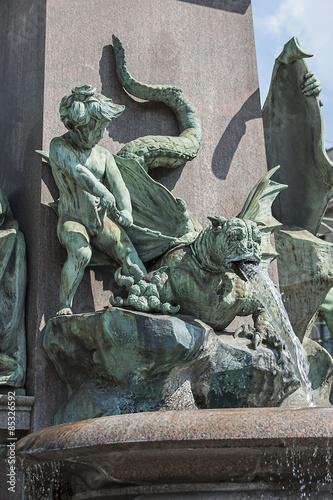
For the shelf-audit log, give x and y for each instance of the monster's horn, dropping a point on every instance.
(217, 221)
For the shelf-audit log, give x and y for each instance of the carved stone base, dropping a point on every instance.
(23, 408)
(258, 452)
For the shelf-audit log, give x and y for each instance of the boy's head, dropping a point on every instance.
(85, 104)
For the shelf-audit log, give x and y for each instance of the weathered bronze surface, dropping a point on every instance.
(13, 281)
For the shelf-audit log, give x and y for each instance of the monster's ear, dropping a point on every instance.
(217, 222)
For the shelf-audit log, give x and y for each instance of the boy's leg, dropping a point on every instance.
(74, 237)
(114, 242)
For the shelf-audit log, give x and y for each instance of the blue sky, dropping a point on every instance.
(275, 22)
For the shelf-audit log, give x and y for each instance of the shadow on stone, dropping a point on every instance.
(232, 136)
(236, 6)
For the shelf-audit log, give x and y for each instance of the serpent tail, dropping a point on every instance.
(160, 151)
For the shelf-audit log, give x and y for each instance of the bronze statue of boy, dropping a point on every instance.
(91, 190)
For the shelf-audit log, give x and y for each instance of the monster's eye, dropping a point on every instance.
(238, 235)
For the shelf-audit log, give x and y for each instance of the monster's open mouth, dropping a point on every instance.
(234, 265)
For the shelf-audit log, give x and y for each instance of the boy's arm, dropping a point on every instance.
(117, 186)
(66, 162)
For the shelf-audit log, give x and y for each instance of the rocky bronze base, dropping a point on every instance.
(285, 453)
(119, 361)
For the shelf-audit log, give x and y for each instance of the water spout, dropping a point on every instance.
(270, 298)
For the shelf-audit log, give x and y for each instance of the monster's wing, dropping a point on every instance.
(44, 154)
(258, 207)
(154, 207)
(294, 139)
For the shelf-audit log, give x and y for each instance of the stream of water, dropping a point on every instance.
(270, 298)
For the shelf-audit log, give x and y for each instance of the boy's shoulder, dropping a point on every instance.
(58, 143)
(61, 152)
(103, 151)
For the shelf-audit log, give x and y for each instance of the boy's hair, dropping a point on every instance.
(85, 103)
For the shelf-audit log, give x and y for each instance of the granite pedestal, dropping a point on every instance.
(48, 47)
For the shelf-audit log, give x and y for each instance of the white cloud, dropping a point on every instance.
(286, 14)
(311, 22)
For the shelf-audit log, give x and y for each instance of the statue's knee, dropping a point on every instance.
(81, 257)
(85, 255)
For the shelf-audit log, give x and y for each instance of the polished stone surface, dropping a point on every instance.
(274, 446)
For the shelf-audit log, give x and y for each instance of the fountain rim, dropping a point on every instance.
(218, 428)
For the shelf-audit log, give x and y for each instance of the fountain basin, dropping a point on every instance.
(193, 450)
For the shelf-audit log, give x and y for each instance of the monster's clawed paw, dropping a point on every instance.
(257, 335)
(247, 331)
(143, 295)
(241, 331)
(275, 341)
(256, 339)
(136, 273)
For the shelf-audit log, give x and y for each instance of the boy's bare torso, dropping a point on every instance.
(75, 203)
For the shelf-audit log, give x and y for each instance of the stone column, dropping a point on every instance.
(47, 48)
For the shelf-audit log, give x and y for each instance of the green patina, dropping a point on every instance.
(13, 280)
(168, 263)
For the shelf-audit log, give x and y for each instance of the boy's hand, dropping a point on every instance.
(311, 86)
(108, 201)
(125, 218)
